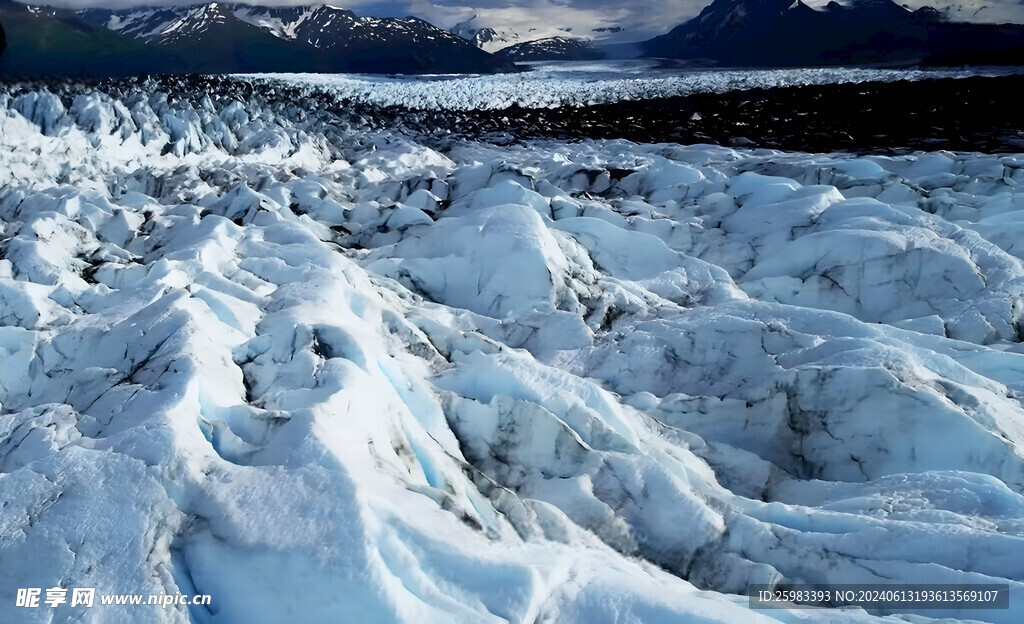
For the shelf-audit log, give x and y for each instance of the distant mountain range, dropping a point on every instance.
(492, 37)
(552, 48)
(485, 37)
(780, 33)
(540, 42)
(222, 38)
(852, 32)
(981, 11)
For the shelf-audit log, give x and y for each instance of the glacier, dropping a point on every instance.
(269, 353)
(584, 83)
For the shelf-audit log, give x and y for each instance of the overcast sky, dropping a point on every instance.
(638, 18)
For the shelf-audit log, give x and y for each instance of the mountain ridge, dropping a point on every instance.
(552, 48)
(857, 32)
(221, 37)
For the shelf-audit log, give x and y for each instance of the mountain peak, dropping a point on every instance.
(223, 37)
(833, 32)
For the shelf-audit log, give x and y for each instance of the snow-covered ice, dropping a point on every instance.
(315, 370)
(585, 83)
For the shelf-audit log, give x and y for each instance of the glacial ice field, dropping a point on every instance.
(585, 83)
(320, 371)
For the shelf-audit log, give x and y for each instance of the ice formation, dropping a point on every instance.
(264, 353)
(585, 83)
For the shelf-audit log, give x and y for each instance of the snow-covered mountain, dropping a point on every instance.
(188, 25)
(260, 347)
(486, 38)
(726, 23)
(982, 11)
(551, 49)
(795, 32)
(321, 26)
(224, 38)
(536, 39)
(487, 35)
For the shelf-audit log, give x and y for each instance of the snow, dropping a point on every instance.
(313, 24)
(488, 34)
(310, 368)
(581, 83)
(972, 10)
